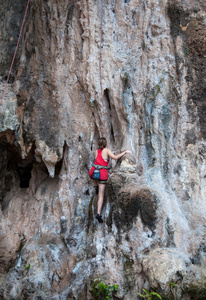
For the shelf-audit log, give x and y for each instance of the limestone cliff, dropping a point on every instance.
(153, 75)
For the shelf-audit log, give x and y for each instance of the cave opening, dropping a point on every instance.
(13, 167)
(15, 172)
(24, 168)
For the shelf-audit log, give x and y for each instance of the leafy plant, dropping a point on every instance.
(149, 295)
(102, 291)
(27, 268)
(172, 286)
(153, 295)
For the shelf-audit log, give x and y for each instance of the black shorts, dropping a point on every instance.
(102, 181)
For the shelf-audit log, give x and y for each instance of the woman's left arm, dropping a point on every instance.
(113, 156)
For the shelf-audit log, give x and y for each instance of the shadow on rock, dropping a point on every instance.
(128, 202)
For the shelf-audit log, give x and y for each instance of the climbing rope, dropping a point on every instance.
(15, 51)
(100, 71)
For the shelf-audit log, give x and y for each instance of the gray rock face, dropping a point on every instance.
(152, 101)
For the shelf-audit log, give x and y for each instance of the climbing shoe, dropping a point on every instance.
(97, 189)
(99, 218)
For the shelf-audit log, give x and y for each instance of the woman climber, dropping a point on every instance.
(100, 167)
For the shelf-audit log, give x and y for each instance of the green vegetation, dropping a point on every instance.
(187, 52)
(21, 246)
(153, 295)
(150, 295)
(102, 291)
(172, 286)
(27, 268)
(22, 243)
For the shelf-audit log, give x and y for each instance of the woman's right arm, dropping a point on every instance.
(113, 156)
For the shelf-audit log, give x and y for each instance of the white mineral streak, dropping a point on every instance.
(8, 117)
(154, 211)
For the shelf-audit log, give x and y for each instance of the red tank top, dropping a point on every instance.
(101, 162)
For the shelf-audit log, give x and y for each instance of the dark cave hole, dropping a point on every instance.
(106, 94)
(14, 170)
(22, 167)
(112, 133)
(60, 163)
(24, 174)
(58, 167)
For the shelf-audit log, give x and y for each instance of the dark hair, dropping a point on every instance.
(102, 143)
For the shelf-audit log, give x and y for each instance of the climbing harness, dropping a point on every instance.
(15, 51)
(98, 167)
(100, 71)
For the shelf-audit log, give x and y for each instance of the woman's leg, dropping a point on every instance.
(100, 197)
(95, 182)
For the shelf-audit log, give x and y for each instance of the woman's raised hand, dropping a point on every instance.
(128, 151)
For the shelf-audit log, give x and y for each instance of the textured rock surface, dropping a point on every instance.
(153, 78)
